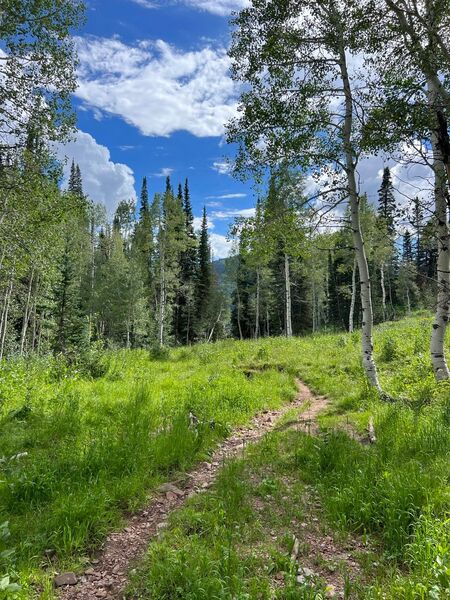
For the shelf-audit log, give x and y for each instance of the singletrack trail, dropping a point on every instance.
(107, 577)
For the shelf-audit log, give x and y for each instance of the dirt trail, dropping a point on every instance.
(107, 577)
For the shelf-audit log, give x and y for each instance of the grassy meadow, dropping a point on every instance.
(83, 445)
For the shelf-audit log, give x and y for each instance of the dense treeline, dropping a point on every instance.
(292, 276)
(324, 88)
(69, 278)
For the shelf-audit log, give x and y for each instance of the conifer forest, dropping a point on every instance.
(227, 379)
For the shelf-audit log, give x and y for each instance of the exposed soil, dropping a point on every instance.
(107, 577)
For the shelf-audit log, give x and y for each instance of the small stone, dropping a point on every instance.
(117, 569)
(89, 571)
(205, 485)
(171, 496)
(101, 593)
(66, 579)
(169, 487)
(50, 552)
(330, 591)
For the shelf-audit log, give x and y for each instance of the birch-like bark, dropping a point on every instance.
(314, 306)
(408, 300)
(351, 318)
(5, 314)
(288, 296)
(364, 276)
(439, 362)
(241, 337)
(383, 291)
(258, 284)
(26, 314)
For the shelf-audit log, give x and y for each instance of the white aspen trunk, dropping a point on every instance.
(26, 314)
(408, 300)
(214, 326)
(241, 337)
(287, 282)
(267, 322)
(439, 362)
(351, 318)
(4, 323)
(314, 305)
(258, 291)
(383, 291)
(364, 276)
(34, 326)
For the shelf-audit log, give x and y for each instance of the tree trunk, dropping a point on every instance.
(287, 283)
(258, 291)
(408, 300)
(364, 276)
(26, 314)
(162, 304)
(440, 366)
(241, 337)
(383, 291)
(314, 306)
(351, 318)
(5, 313)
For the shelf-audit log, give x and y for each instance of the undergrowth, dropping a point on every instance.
(82, 444)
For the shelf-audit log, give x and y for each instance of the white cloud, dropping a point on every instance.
(104, 181)
(198, 223)
(165, 172)
(219, 7)
(157, 88)
(230, 214)
(222, 8)
(220, 246)
(214, 204)
(226, 196)
(222, 167)
(145, 3)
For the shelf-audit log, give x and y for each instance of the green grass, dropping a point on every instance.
(99, 437)
(80, 451)
(395, 494)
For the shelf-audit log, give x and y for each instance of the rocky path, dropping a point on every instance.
(107, 577)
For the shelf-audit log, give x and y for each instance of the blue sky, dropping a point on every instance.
(154, 94)
(153, 98)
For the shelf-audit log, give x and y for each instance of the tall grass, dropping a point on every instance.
(81, 444)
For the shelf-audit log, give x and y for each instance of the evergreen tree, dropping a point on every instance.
(386, 202)
(188, 263)
(407, 248)
(204, 280)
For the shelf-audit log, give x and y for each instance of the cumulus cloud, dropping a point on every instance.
(104, 181)
(220, 246)
(410, 179)
(157, 88)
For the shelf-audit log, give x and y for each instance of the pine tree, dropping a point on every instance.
(188, 264)
(386, 202)
(204, 277)
(144, 208)
(407, 248)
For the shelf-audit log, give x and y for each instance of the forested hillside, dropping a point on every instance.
(224, 299)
